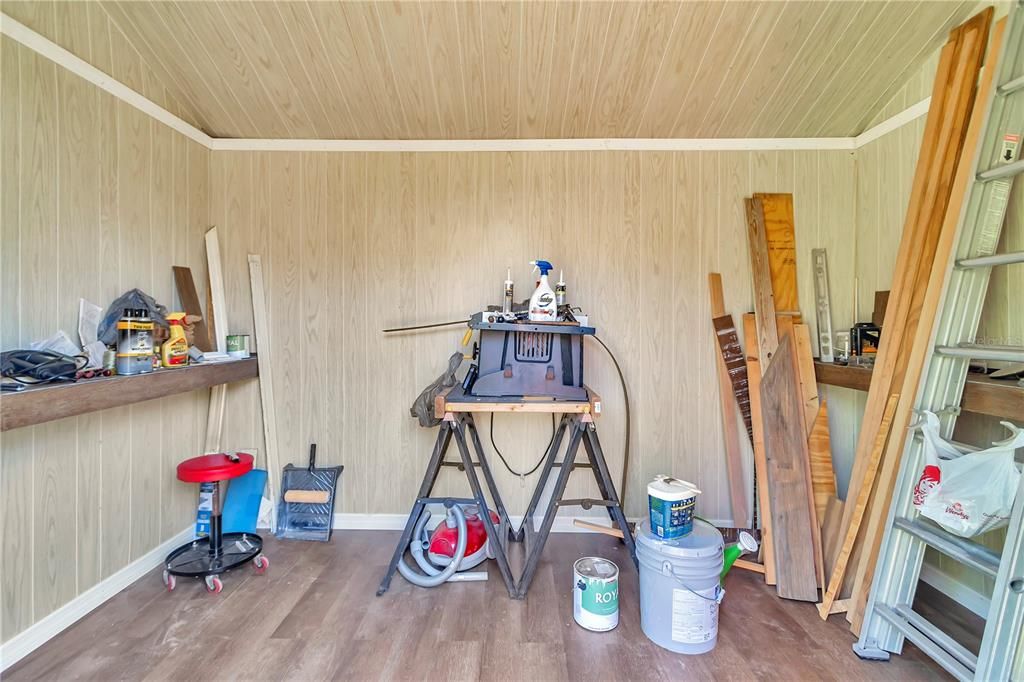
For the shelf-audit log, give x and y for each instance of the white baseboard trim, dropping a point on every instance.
(955, 590)
(40, 632)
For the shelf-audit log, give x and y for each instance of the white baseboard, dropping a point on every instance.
(955, 590)
(40, 632)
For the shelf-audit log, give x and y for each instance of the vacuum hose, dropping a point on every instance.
(434, 576)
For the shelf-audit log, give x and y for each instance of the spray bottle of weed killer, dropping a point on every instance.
(543, 307)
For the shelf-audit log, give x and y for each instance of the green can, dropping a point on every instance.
(595, 594)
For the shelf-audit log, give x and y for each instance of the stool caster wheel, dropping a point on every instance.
(261, 564)
(169, 581)
(213, 584)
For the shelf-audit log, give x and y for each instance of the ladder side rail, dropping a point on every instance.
(941, 384)
(1003, 626)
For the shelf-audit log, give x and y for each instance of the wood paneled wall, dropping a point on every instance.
(354, 243)
(97, 198)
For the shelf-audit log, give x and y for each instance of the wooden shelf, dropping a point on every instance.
(982, 395)
(57, 401)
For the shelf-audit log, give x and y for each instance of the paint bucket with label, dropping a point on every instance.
(679, 587)
(595, 593)
(671, 502)
(238, 345)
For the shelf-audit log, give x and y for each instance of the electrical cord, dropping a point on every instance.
(625, 398)
(539, 461)
(423, 326)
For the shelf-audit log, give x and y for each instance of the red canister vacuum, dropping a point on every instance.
(455, 546)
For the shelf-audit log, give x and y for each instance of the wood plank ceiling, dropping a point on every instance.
(459, 70)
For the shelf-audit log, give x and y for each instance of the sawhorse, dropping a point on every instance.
(458, 422)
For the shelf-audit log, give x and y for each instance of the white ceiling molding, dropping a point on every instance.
(57, 54)
(895, 123)
(47, 48)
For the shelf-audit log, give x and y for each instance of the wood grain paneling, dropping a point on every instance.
(97, 198)
(480, 69)
(359, 242)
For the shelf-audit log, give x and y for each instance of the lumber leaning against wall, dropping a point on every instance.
(83, 497)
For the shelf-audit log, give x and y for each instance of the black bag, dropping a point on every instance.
(39, 366)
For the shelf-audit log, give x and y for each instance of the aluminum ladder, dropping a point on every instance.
(889, 618)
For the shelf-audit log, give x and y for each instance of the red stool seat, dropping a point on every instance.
(218, 467)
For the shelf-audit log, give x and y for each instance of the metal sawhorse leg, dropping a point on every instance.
(582, 431)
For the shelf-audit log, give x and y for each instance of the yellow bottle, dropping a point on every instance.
(174, 351)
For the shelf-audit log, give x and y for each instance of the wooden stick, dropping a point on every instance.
(265, 356)
(598, 528)
(730, 418)
(218, 319)
(760, 461)
(835, 582)
(749, 566)
(823, 476)
(808, 380)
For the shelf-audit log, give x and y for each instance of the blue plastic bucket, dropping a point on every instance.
(671, 504)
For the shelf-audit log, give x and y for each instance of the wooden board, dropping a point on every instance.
(830, 532)
(808, 380)
(217, 309)
(781, 242)
(932, 277)
(190, 304)
(881, 303)
(49, 403)
(730, 400)
(267, 404)
(785, 445)
(764, 300)
(764, 504)
(944, 129)
(823, 476)
(858, 508)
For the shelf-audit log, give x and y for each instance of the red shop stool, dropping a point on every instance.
(219, 552)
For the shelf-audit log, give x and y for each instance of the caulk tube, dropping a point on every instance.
(560, 288)
(746, 545)
(509, 292)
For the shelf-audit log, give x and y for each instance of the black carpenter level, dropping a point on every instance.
(456, 424)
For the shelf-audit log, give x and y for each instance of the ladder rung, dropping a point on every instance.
(1004, 171)
(955, 648)
(924, 642)
(977, 352)
(1011, 86)
(995, 259)
(966, 552)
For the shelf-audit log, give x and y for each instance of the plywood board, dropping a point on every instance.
(780, 236)
(785, 444)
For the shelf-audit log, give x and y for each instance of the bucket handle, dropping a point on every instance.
(668, 570)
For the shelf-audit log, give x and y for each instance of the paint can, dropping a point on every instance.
(595, 594)
(238, 345)
(679, 587)
(671, 502)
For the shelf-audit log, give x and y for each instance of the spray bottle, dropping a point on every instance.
(509, 292)
(174, 351)
(560, 289)
(543, 307)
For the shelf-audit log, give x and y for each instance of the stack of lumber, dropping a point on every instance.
(940, 181)
(811, 540)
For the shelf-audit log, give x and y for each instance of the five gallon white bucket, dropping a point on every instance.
(679, 587)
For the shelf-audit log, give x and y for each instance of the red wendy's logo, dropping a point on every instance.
(957, 509)
(930, 479)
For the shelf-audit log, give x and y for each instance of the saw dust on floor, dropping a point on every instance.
(314, 615)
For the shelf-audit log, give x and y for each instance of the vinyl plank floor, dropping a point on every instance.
(314, 616)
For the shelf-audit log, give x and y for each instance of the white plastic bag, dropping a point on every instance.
(967, 494)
